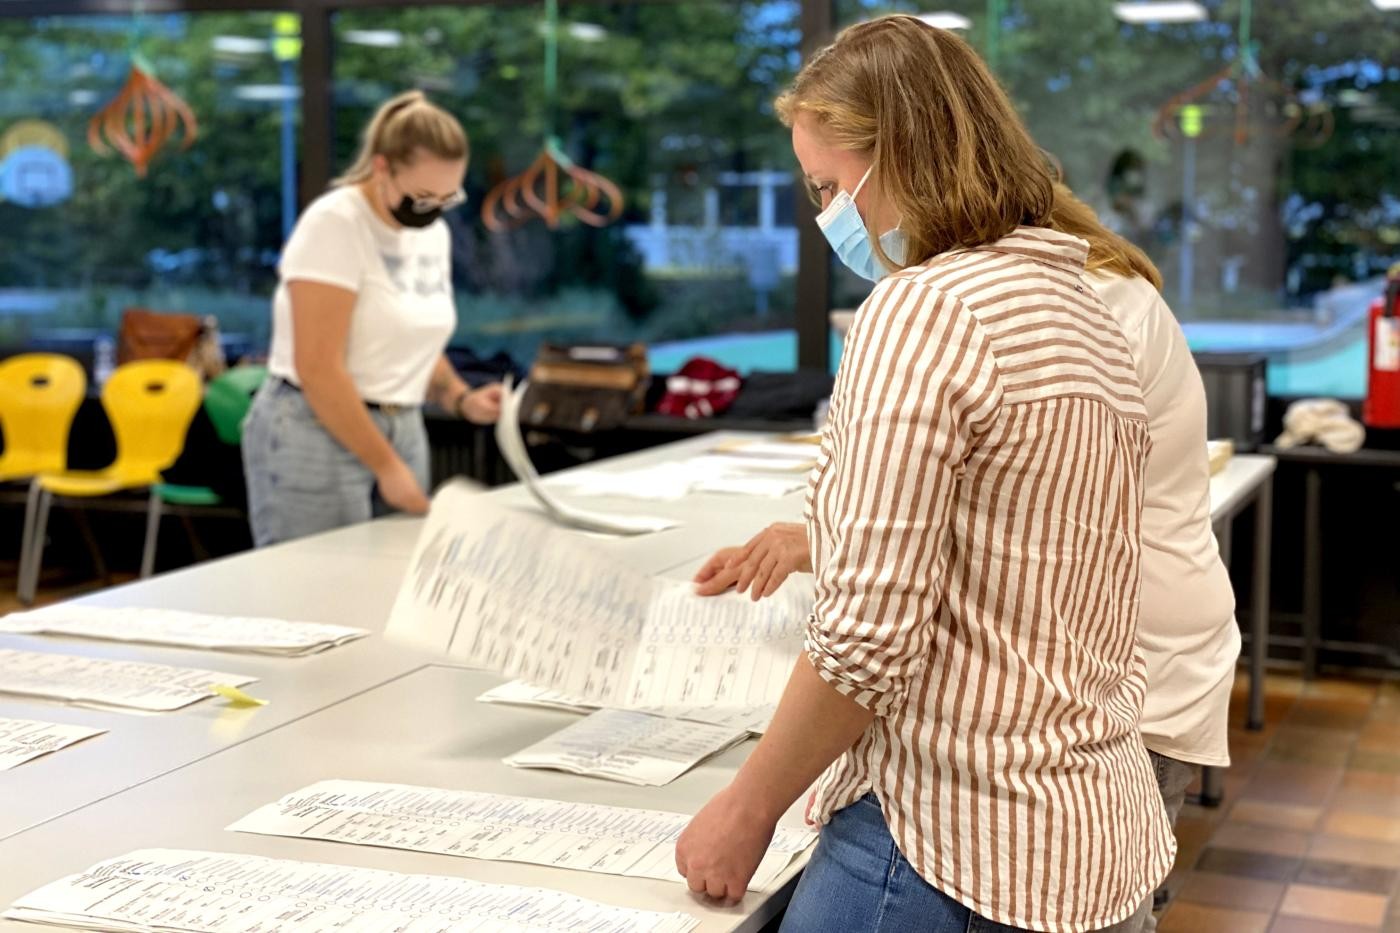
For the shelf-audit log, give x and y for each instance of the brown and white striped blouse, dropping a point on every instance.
(974, 523)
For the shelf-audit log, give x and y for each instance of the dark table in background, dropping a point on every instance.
(1317, 463)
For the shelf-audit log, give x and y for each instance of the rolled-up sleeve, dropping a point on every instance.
(917, 390)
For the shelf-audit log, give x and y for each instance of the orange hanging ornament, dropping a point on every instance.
(540, 191)
(141, 119)
(553, 185)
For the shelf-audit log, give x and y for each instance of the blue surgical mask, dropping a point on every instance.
(845, 231)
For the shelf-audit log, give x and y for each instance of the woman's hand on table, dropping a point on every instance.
(761, 566)
(720, 850)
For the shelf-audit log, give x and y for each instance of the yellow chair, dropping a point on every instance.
(150, 404)
(39, 396)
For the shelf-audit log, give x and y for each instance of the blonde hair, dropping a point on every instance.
(949, 152)
(1108, 252)
(399, 129)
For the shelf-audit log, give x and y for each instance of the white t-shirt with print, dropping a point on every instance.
(404, 313)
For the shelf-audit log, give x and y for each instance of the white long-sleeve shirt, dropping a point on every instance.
(1186, 627)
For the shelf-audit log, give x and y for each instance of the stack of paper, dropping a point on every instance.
(754, 719)
(211, 892)
(631, 747)
(24, 739)
(186, 629)
(504, 591)
(575, 836)
(103, 682)
(512, 446)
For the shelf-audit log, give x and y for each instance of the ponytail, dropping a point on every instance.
(401, 127)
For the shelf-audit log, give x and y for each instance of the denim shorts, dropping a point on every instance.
(301, 481)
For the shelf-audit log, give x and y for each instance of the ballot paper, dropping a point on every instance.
(675, 481)
(105, 682)
(753, 719)
(663, 481)
(504, 591)
(771, 451)
(627, 746)
(186, 629)
(555, 833)
(24, 739)
(770, 487)
(512, 446)
(213, 892)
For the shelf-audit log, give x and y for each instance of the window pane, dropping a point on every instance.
(1273, 219)
(200, 233)
(673, 103)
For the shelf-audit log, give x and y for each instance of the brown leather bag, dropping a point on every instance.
(154, 335)
(585, 388)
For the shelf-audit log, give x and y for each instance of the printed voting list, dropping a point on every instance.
(631, 747)
(212, 892)
(24, 739)
(185, 629)
(504, 591)
(104, 682)
(575, 836)
(753, 719)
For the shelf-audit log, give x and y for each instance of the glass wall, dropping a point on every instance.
(1270, 201)
(673, 104)
(84, 235)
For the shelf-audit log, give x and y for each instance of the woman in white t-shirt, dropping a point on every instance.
(361, 317)
(1186, 628)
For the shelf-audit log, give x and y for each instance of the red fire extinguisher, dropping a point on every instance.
(1382, 408)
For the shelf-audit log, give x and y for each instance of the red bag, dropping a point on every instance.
(701, 389)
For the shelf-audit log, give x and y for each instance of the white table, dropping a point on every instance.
(421, 728)
(1246, 481)
(144, 783)
(366, 710)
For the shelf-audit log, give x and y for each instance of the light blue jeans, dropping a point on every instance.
(859, 880)
(301, 481)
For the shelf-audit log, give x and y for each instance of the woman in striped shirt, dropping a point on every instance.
(968, 705)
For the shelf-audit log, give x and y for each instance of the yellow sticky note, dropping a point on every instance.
(235, 696)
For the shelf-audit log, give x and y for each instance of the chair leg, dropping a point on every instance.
(29, 582)
(99, 563)
(31, 512)
(197, 548)
(148, 555)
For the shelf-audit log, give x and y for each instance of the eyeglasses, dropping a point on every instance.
(424, 205)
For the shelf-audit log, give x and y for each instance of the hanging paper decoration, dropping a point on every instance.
(1236, 92)
(141, 119)
(553, 186)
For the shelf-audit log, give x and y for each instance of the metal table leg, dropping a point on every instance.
(1312, 572)
(1212, 786)
(1259, 628)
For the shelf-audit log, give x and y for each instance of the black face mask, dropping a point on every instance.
(408, 217)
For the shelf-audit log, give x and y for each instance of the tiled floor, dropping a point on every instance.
(1308, 839)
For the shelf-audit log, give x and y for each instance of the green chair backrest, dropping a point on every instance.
(228, 398)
